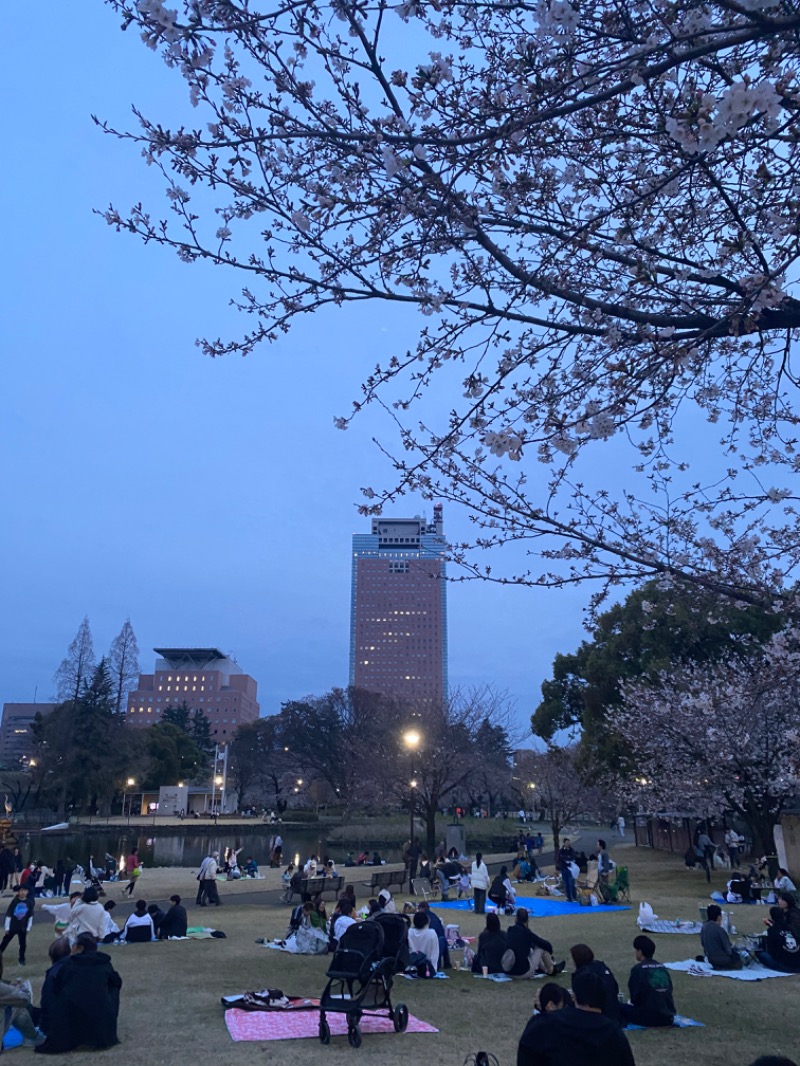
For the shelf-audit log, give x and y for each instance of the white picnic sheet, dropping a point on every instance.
(755, 972)
(664, 925)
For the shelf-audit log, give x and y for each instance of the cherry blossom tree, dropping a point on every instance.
(592, 206)
(717, 737)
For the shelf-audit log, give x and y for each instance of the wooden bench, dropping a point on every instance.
(386, 879)
(311, 887)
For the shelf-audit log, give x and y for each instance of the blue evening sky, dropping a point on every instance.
(212, 502)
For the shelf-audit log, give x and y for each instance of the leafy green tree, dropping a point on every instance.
(193, 723)
(172, 755)
(653, 628)
(254, 756)
(83, 747)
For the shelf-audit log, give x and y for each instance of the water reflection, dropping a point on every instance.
(187, 850)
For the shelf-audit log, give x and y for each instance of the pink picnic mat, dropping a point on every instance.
(294, 1025)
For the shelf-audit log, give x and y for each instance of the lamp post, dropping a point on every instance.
(130, 783)
(411, 739)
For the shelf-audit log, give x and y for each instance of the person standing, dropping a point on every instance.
(133, 869)
(603, 863)
(208, 881)
(564, 860)
(6, 867)
(414, 853)
(705, 842)
(621, 825)
(19, 918)
(69, 870)
(276, 858)
(732, 843)
(480, 881)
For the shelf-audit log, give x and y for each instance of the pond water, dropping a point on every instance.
(185, 849)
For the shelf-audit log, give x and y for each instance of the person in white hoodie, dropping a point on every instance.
(62, 913)
(87, 917)
(480, 881)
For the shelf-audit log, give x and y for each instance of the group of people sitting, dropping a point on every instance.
(79, 1003)
(781, 940)
(83, 913)
(585, 1026)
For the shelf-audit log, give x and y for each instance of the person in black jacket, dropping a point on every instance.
(650, 989)
(82, 1001)
(175, 922)
(576, 1037)
(19, 917)
(492, 944)
(531, 953)
(783, 945)
(585, 962)
(564, 858)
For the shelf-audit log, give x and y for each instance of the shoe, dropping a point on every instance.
(559, 967)
(22, 962)
(34, 1041)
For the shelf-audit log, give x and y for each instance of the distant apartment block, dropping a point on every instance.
(203, 678)
(398, 612)
(16, 738)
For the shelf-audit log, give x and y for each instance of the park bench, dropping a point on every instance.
(311, 887)
(386, 879)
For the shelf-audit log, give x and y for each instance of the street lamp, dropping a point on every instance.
(129, 784)
(411, 805)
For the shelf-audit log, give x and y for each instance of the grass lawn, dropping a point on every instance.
(171, 1013)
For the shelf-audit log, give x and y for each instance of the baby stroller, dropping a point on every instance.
(361, 975)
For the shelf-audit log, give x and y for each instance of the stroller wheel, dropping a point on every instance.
(354, 1037)
(400, 1018)
(324, 1032)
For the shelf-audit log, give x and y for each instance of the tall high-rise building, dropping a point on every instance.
(398, 609)
(16, 738)
(203, 678)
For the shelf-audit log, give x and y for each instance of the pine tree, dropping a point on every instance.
(123, 661)
(75, 670)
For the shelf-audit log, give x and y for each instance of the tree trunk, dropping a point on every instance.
(555, 826)
(430, 828)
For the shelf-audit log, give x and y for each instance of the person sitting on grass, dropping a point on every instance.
(251, 867)
(716, 944)
(139, 928)
(552, 997)
(492, 946)
(585, 962)
(783, 943)
(111, 929)
(436, 925)
(16, 995)
(386, 900)
(423, 941)
(341, 919)
(650, 988)
(532, 954)
(175, 922)
(82, 1001)
(576, 1037)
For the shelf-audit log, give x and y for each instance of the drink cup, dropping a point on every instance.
(485, 971)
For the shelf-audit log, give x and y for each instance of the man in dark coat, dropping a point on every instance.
(82, 1002)
(175, 921)
(576, 1037)
(531, 952)
(585, 962)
